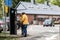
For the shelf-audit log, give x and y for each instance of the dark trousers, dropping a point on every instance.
(18, 24)
(8, 26)
(24, 30)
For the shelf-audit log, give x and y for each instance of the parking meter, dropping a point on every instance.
(13, 28)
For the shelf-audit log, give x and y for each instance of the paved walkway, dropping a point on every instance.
(38, 32)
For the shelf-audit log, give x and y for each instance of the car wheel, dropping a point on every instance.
(53, 25)
(50, 25)
(1, 30)
(43, 25)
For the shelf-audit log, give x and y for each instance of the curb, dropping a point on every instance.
(9, 36)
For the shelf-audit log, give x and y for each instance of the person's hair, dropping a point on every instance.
(23, 12)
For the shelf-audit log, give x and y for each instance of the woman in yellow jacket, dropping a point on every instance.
(25, 22)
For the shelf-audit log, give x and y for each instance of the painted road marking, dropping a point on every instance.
(52, 37)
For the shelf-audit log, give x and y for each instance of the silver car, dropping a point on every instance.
(48, 22)
(1, 25)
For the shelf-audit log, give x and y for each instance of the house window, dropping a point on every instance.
(58, 19)
(54, 19)
(34, 17)
(40, 19)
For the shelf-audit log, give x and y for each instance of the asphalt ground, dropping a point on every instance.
(38, 32)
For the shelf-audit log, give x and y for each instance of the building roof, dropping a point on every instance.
(30, 8)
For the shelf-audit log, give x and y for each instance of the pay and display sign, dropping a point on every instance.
(8, 3)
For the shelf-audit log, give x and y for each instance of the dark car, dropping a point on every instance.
(1, 29)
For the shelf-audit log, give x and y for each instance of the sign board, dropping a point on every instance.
(8, 3)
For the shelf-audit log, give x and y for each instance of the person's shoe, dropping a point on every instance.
(25, 35)
(22, 34)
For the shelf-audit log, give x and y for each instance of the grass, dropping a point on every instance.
(9, 38)
(3, 36)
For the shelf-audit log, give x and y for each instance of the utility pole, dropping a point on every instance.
(48, 2)
(4, 16)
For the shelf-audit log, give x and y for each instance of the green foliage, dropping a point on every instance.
(27, 0)
(40, 1)
(0, 3)
(56, 2)
(15, 2)
(1, 9)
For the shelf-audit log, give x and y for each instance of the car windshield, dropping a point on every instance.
(0, 19)
(47, 20)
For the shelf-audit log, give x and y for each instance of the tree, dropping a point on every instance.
(15, 2)
(1, 8)
(40, 1)
(56, 2)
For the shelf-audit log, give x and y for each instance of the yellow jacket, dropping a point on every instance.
(24, 19)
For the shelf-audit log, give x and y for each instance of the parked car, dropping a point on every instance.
(1, 25)
(8, 21)
(48, 22)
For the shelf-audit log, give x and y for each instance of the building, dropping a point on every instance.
(39, 12)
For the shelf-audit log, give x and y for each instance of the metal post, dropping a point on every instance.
(4, 17)
(13, 28)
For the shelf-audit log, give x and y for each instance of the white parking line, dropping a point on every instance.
(52, 37)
